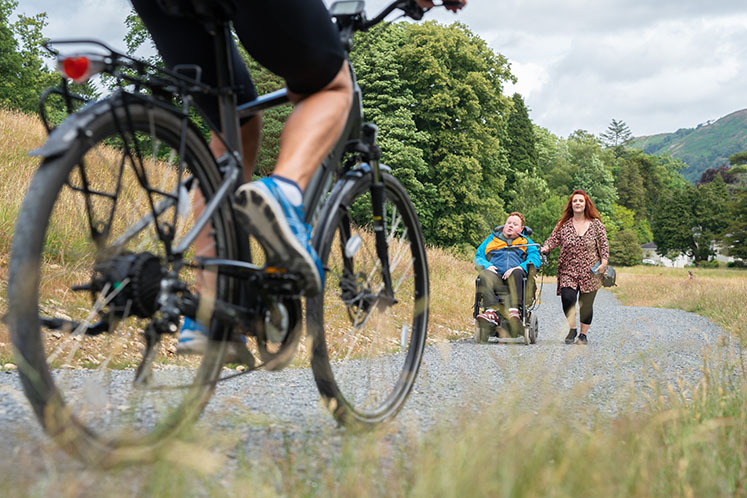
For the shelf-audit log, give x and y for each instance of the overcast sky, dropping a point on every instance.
(658, 65)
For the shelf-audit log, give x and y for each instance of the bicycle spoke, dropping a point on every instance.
(113, 205)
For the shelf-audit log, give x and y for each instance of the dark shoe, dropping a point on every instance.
(570, 337)
(582, 339)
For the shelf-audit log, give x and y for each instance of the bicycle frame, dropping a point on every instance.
(356, 137)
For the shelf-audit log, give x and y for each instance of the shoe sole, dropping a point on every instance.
(278, 240)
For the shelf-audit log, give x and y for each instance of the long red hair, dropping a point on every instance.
(590, 211)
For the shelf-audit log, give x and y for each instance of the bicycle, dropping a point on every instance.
(134, 168)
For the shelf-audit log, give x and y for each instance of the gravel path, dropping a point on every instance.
(629, 349)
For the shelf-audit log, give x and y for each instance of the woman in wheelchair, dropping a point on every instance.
(504, 259)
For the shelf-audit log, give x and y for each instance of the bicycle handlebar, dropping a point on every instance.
(409, 7)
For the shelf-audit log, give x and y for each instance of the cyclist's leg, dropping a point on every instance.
(297, 40)
(182, 40)
(313, 128)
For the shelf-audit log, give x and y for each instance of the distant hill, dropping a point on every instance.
(707, 146)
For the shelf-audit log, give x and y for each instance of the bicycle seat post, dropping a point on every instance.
(229, 123)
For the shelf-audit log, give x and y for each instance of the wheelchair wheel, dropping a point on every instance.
(533, 329)
(527, 337)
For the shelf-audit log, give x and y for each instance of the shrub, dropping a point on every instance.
(624, 248)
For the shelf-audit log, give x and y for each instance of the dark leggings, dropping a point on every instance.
(586, 303)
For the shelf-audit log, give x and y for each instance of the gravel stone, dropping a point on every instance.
(630, 350)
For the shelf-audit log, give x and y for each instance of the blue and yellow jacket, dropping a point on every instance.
(496, 250)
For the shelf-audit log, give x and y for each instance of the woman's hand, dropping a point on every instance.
(544, 250)
(602, 269)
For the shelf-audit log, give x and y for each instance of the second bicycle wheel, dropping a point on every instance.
(368, 345)
(92, 249)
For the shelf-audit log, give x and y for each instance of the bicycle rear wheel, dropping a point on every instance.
(367, 347)
(93, 245)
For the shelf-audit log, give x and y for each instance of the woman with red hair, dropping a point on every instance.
(584, 253)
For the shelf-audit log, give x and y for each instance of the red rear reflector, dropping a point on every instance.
(76, 67)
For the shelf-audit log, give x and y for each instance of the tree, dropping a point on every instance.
(542, 218)
(554, 161)
(24, 74)
(617, 135)
(444, 86)
(723, 171)
(659, 174)
(738, 158)
(522, 151)
(709, 208)
(630, 190)
(736, 232)
(689, 219)
(592, 174)
(529, 190)
(625, 249)
(674, 221)
(521, 146)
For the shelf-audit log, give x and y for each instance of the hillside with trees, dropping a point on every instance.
(708, 146)
(468, 154)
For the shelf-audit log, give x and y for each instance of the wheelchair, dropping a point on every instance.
(527, 304)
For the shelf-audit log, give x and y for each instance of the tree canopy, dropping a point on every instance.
(445, 86)
(24, 74)
(617, 134)
(466, 153)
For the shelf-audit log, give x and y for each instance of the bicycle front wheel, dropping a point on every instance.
(92, 247)
(367, 345)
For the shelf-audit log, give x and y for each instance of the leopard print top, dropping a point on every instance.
(578, 253)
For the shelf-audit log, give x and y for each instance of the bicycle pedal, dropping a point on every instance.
(280, 281)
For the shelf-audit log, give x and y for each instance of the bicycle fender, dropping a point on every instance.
(63, 136)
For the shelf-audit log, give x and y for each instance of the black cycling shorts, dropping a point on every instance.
(294, 39)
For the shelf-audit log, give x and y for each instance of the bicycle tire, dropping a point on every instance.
(367, 385)
(117, 432)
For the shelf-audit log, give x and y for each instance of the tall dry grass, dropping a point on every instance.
(718, 294)
(19, 133)
(689, 446)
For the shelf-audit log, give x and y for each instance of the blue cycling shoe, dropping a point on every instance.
(193, 339)
(278, 224)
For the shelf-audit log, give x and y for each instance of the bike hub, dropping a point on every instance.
(133, 279)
